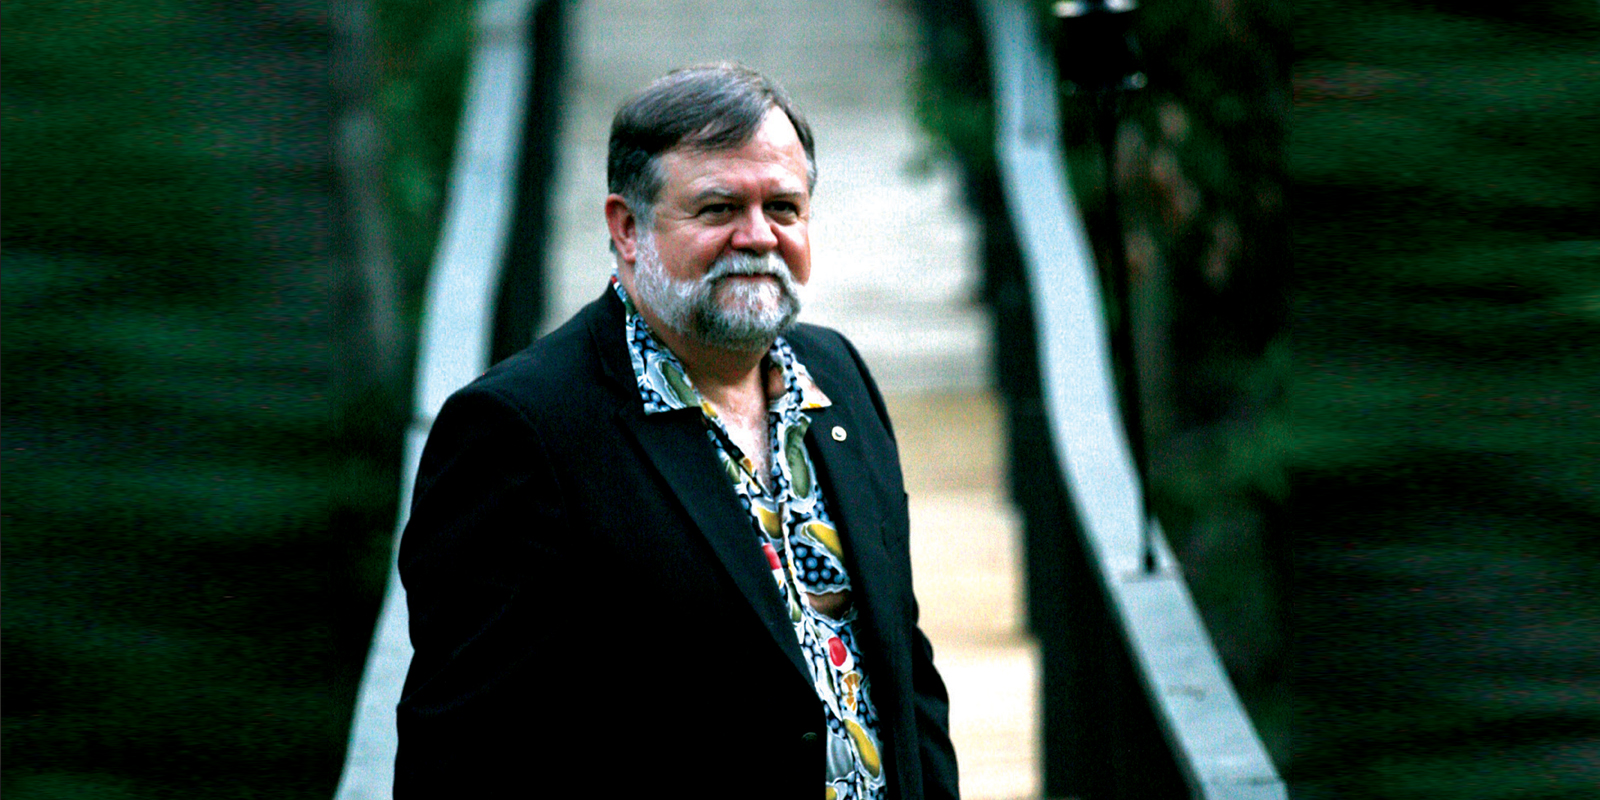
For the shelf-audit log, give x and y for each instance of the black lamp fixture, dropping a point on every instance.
(1095, 48)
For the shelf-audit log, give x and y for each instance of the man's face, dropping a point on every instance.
(724, 308)
(729, 244)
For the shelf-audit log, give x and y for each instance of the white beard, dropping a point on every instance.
(728, 315)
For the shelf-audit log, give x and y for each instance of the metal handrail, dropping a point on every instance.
(1212, 739)
(454, 348)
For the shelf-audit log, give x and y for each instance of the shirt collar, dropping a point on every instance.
(664, 384)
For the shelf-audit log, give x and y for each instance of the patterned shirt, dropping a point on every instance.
(790, 524)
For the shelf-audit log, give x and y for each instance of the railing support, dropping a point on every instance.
(457, 336)
(1153, 620)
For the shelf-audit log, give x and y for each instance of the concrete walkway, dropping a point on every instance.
(894, 268)
(966, 554)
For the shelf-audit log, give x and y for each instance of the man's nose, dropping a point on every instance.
(754, 232)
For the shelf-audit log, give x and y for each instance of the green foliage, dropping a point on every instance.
(950, 89)
(110, 159)
(168, 523)
(196, 523)
(424, 48)
(1470, 176)
(1444, 431)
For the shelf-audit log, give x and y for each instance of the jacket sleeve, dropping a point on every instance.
(481, 557)
(939, 776)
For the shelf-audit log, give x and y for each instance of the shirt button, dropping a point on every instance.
(839, 434)
(809, 737)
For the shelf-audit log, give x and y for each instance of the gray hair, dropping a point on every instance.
(706, 107)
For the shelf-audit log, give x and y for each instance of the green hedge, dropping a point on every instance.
(196, 525)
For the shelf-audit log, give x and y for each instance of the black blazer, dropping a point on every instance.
(592, 617)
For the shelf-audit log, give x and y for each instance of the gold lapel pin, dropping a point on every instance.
(839, 434)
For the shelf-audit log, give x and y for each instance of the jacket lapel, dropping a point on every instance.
(850, 476)
(675, 444)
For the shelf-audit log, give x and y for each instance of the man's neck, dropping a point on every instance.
(731, 380)
(734, 383)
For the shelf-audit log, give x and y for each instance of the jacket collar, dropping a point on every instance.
(676, 446)
(664, 383)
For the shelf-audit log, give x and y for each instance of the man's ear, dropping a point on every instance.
(624, 229)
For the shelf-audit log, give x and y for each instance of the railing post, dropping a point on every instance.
(458, 328)
(1129, 669)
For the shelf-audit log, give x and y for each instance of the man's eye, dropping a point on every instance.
(716, 209)
(783, 209)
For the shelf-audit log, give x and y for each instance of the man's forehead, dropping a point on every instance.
(773, 154)
(714, 178)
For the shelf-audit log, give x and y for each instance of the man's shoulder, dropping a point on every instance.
(838, 369)
(823, 350)
(834, 363)
(562, 367)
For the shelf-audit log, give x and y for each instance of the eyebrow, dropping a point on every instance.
(723, 193)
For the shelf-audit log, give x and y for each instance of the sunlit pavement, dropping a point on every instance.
(895, 268)
(967, 558)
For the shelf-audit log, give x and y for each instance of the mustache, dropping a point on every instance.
(736, 264)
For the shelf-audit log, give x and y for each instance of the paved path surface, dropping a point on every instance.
(966, 554)
(894, 268)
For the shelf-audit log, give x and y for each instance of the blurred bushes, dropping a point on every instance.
(113, 159)
(1388, 455)
(1445, 436)
(423, 49)
(196, 521)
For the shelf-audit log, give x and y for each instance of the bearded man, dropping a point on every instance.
(665, 548)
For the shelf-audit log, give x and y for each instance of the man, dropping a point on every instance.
(665, 549)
